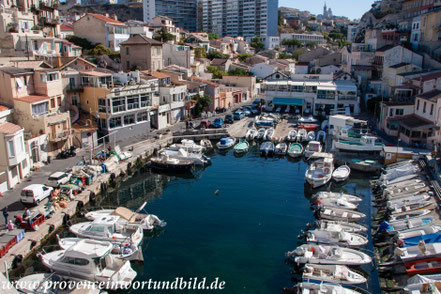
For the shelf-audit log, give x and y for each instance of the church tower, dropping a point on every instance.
(325, 11)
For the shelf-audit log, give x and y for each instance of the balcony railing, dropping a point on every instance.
(71, 89)
(59, 136)
(119, 108)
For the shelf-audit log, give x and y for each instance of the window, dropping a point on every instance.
(424, 107)
(418, 104)
(127, 51)
(119, 104)
(129, 119)
(146, 100)
(142, 116)
(52, 77)
(391, 112)
(115, 122)
(399, 111)
(59, 101)
(52, 102)
(11, 148)
(132, 102)
(128, 65)
(39, 109)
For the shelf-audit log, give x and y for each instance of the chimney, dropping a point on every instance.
(114, 16)
(58, 61)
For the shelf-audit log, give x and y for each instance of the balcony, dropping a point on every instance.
(61, 136)
(347, 98)
(74, 89)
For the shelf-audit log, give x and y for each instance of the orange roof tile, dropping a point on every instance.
(160, 75)
(9, 128)
(65, 28)
(107, 19)
(32, 98)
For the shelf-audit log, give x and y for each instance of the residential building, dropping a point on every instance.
(65, 31)
(212, 89)
(262, 70)
(14, 160)
(141, 52)
(271, 42)
(430, 33)
(411, 8)
(392, 113)
(240, 17)
(177, 54)
(221, 63)
(415, 36)
(137, 27)
(182, 12)
(352, 32)
(160, 22)
(198, 40)
(303, 38)
(242, 81)
(107, 31)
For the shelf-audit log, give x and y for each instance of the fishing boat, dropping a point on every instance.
(409, 207)
(281, 149)
(327, 254)
(400, 202)
(90, 260)
(308, 127)
(292, 136)
(321, 136)
(295, 150)
(365, 144)
(336, 226)
(341, 173)
(187, 145)
(312, 147)
(388, 183)
(251, 134)
(336, 238)
(341, 274)
(312, 288)
(265, 120)
(409, 215)
(310, 136)
(165, 163)
(336, 202)
(110, 228)
(320, 172)
(424, 230)
(338, 195)
(340, 214)
(198, 158)
(408, 224)
(414, 253)
(241, 147)
(269, 134)
(206, 144)
(267, 149)
(427, 239)
(226, 143)
(302, 135)
(144, 220)
(261, 134)
(309, 119)
(399, 172)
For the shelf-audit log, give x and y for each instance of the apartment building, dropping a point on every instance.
(182, 12)
(240, 17)
(177, 54)
(303, 38)
(352, 32)
(141, 52)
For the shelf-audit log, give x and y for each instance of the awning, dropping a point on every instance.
(288, 101)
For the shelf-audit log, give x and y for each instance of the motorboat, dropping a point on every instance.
(320, 172)
(387, 183)
(424, 230)
(308, 127)
(165, 163)
(409, 224)
(265, 120)
(144, 220)
(328, 254)
(321, 136)
(312, 147)
(251, 134)
(418, 252)
(302, 135)
(365, 144)
(409, 215)
(340, 214)
(267, 149)
(188, 145)
(427, 239)
(336, 202)
(336, 238)
(424, 284)
(206, 144)
(292, 136)
(400, 202)
(337, 226)
(226, 143)
(341, 274)
(241, 147)
(399, 172)
(111, 228)
(310, 136)
(198, 158)
(338, 195)
(295, 150)
(261, 134)
(341, 173)
(309, 119)
(269, 134)
(281, 149)
(90, 260)
(321, 288)
(409, 207)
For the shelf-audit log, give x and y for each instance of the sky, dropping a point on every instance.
(352, 9)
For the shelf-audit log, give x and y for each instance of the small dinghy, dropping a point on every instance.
(340, 214)
(335, 226)
(267, 149)
(427, 239)
(341, 274)
(408, 224)
(409, 215)
(335, 202)
(226, 143)
(409, 208)
(310, 136)
(414, 253)
(302, 135)
(241, 147)
(292, 136)
(312, 288)
(341, 173)
(206, 144)
(295, 150)
(400, 202)
(321, 136)
(269, 134)
(425, 266)
(319, 172)
(326, 254)
(336, 238)
(312, 147)
(261, 134)
(251, 134)
(427, 229)
(347, 197)
(281, 149)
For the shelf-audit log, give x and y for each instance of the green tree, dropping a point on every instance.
(200, 52)
(163, 35)
(213, 36)
(257, 44)
(280, 19)
(311, 44)
(99, 50)
(292, 42)
(202, 102)
(83, 43)
(283, 55)
(238, 72)
(217, 73)
(216, 54)
(243, 56)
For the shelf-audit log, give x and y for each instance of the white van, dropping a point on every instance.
(35, 193)
(58, 178)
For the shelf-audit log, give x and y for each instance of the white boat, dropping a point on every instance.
(421, 231)
(400, 202)
(261, 134)
(409, 215)
(340, 274)
(269, 134)
(281, 149)
(312, 147)
(409, 207)
(109, 228)
(312, 288)
(198, 158)
(90, 260)
(309, 119)
(341, 173)
(410, 224)
(302, 135)
(144, 220)
(399, 172)
(340, 214)
(365, 144)
(388, 183)
(336, 202)
(310, 136)
(336, 238)
(321, 136)
(188, 145)
(265, 120)
(206, 144)
(336, 226)
(327, 254)
(292, 136)
(424, 284)
(251, 134)
(418, 252)
(410, 189)
(226, 143)
(320, 172)
(338, 195)
(295, 150)
(401, 185)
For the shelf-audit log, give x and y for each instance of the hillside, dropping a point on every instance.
(123, 12)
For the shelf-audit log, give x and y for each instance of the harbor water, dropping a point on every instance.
(233, 220)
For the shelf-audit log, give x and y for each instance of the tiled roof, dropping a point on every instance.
(428, 77)
(16, 70)
(160, 75)
(95, 73)
(412, 121)
(433, 95)
(65, 28)
(32, 98)
(107, 19)
(9, 128)
(218, 61)
(141, 40)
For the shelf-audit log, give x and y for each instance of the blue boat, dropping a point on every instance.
(226, 143)
(267, 149)
(428, 239)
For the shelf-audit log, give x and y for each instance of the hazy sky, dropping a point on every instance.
(350, 8)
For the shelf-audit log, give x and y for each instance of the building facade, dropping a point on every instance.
(140, 51)
(182, 12)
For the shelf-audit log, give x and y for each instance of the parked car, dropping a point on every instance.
(246, 112)
(205, 124)
(256, 102)
(58, 178)
(229, 119)
(218, 123)
(238, 115)
(35, 193)
(220, 109)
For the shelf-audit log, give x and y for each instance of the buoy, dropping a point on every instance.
(216, 192)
